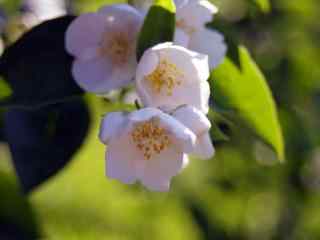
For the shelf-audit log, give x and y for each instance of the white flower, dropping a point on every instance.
(191, 32)
(142, 5)
(146, 145)
(199, 124)
(169, 76)
(104, 46)
(36, 11)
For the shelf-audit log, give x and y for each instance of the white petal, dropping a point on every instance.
(131, 98)
(185, 161)
(209, 6)
(111, 125)
(209, 42)
(193, 64)
(183, 137)
(180, 3)
(204, 148)
(122, 17)
(161, 46)
(99, 76)
(181, 38)
(119, 10)
(121, 76)
(159, 170)
(150, 60)
(193, 119)
(193, 74)
(144, 114)
(89, 53)
(193, 90)
(83, 33)
(122, 159)
(196, 13)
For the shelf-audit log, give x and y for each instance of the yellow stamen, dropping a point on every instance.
(166, 77)
(150, 138)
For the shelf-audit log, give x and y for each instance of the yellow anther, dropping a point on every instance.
(165, 77)
(150, 138)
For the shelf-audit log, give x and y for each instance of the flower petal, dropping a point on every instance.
(180, 3)
(196, 14)
(111, 125)
(193, 119)
(99, 76)
(183, 137)
(143, 114)
(159, 170)
(150, 60)
(203, 147)
(211, 43)
(192, 73)
(185, 161)
(83, 33)
(123, 75)
(122, 159)
(119, 11)
(123, 18)
(181, 38)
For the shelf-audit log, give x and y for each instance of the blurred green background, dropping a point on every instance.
(242, 193)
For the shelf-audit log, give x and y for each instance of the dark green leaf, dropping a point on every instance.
(158, 26)
(230, 38)
(37, 67)
(246, 93)
(17, 220)
(217, 134)
(43, 141)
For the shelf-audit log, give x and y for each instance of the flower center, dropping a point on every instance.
(150, 138)
(165, 77)
(117, 47)
(181, 23)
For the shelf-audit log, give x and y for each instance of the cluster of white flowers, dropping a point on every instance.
(150, 145)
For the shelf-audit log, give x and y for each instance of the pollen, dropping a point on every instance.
(117, 47)
(165, 78)
(181, 23)
(150, 138)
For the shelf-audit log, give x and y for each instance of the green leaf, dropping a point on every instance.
(15, 209)
(38, 68)
(158, 26)
(246, 93)
(118, 106)
(263, 5)
(230, 37)
(216, 133)
(5, 90)
(31, 135)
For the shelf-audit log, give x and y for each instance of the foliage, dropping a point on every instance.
(158, 26)
(47, 138)
(41, 78)
(244, 92)
(240, 194)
